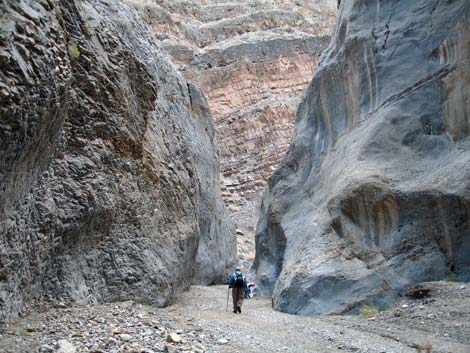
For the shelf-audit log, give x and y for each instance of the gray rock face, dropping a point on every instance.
(374, 194)
(109, 183)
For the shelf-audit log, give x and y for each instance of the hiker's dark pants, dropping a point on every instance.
(237, 296)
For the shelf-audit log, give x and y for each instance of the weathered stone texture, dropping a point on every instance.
(374, 194)
(109, 180)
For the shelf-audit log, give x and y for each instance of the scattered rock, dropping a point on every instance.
(173, 337)
(198, 348)
(419, 292)
(45, 348)
(170, 349)
(222, 341)
(64, 346)
(216, 328)
(125, 337)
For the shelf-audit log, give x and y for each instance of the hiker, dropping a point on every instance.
(239, 286)
(252, 291)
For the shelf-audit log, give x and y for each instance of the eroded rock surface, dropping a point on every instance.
(252, 59)
(374, 194)
(109, 180)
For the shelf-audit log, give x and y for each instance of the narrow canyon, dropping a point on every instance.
(148, 148)
(252, 60)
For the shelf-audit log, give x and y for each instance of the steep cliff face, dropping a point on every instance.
(109, 180)
(374, 194)
(252, 59)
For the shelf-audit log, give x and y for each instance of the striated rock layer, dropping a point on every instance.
(374, 194)
(109, 180)
(252, 59)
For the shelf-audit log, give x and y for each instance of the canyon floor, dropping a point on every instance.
(438, 322)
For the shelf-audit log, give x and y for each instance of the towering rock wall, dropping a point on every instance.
(252, 59)
(374, 194)
(109, 180)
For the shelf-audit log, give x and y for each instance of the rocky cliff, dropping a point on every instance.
(252, 59)
(374, 194)
(109, 180)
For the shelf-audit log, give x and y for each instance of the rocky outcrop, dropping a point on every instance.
(252, 59)
(109, 180)
(374, 194)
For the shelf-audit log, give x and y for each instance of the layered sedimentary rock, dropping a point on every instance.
(252, 59)
(109, 180)
(374, 194)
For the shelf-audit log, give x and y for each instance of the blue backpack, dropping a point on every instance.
(238, 280)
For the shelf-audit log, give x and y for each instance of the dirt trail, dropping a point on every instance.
(199, 319)
(260, 329)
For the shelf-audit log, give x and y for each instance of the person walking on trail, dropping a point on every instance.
(239, 286)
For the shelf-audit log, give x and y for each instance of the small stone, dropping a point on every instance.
(222, 341)
(169, 349)
(179, 332)
(125, 337)
(404, 306)
(147, 333)
(64, 346)
(199, 346)
(60, 305)
(462, 287)
(45, 349)
(111, 340)
(173, 337)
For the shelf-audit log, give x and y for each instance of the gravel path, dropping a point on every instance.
(198, 323)
(260, 329)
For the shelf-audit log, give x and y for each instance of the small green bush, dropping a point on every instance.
(451, 278)
(368, 311)
(19, 331)
(74, 50)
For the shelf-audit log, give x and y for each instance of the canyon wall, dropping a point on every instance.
(374, 193)
(252, 59)
(109, 179)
